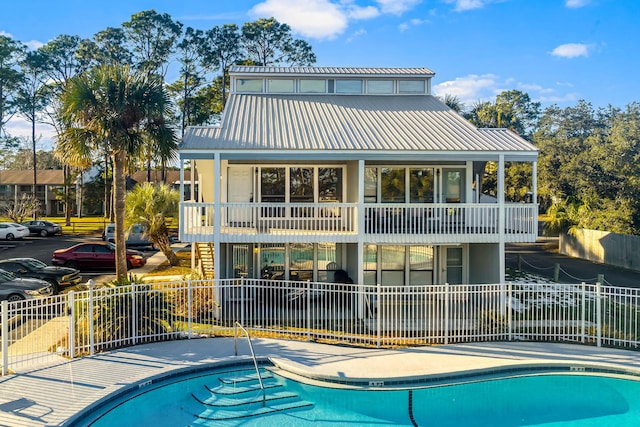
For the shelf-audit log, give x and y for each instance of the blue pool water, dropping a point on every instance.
(224, 399)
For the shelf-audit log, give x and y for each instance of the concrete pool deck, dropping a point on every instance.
(50, 395)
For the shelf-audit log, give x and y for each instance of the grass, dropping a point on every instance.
(183, 269)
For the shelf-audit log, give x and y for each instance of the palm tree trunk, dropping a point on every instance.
(119, 180)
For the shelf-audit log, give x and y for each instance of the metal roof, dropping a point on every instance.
(409, 123)
(333, 71)
(25, 177)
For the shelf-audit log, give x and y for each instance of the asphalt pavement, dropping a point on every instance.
(543, 259)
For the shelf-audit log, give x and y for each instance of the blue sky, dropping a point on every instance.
(558, 51)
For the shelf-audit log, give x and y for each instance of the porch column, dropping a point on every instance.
(534, 184)
(361, 221)
(217, 176)
(501, 216)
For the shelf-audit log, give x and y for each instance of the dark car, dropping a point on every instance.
(13, 288)
(95, 256)
(59, 277)
(43, 228)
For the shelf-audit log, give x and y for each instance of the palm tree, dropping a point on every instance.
(111, 108)
(150, 205)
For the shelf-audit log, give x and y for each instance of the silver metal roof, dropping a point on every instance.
(333, 71)
(408, 123)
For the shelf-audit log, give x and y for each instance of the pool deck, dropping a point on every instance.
(51, 394)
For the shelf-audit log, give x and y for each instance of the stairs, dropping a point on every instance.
(238, 395)
(205, 253)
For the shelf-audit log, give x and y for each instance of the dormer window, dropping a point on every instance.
(380, 87)
(313, 86)
(249, 85)
(281, 85)
(348, 86)
(411, 86)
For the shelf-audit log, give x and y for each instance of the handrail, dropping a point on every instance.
(253, 356)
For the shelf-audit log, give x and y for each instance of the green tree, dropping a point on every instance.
(108, 46)
(31, 101)
(150, 205)
(153, 38)
(191, 75)
(221, 47)
(268, 42)
(109, 106)
(11, 54)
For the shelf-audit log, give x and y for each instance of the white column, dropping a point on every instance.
(501, 216)
(217, 176)
(361, 227)
(534, 184)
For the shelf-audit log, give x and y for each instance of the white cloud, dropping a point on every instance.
(20, 127)
(397, 7)
(319, 19)
(571, 50)
(576, 3)
(357, 34)
(464, 5)
(326, 19)
(473, 88)
(412, 23)
(31, 45)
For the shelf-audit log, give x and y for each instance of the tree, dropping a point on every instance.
(31, 101)
(25, 206)
(220, 48)
(150, 205)
(112, 107)
(153, 37)
(268, 42)
(191, 78)
(11, 53)
(453, 102)
(108, 46)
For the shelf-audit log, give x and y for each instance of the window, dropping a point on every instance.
(330, 184)
(329, 256)
(370, 185)
(301, 191)
(348, 86)
(421, 265)
(379, 86)
(370, 265)
(273, 182)
(249, 85)
(411, 86)
(301, 261)
(281, 85)
(392, 185)
(421, 186)
(392, 260)
(313, 86)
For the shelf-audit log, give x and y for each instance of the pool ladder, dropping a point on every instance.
(253, 356)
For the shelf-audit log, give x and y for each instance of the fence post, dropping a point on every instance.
(598, 315)
(243, 303)
(71, 312)
(308, 310)
(5, 336)
(510, 310)
(378, 310)
(446, 313)
(189, 308)
(583, 315)
(91, 285)
(134, 315)
(556, 272)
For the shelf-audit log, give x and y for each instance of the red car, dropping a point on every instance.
(95, 256)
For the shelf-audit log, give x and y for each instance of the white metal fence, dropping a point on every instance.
(80, 323)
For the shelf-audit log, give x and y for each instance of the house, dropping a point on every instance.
(315, 170)
(50, 187)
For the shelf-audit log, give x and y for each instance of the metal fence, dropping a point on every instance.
(79, 323)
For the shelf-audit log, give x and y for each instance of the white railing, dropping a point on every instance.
(464, 222)
(79, 323)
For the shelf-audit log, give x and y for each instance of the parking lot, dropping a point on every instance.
(42, 248)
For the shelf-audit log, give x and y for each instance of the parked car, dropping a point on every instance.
(137, 235)
(12, 231)
(95, 256)
(13, 288)
(59, 277)
(43, 228)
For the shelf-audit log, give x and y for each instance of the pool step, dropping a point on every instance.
(245, 378)
(223, 415)
(240, 396)
(246, 388)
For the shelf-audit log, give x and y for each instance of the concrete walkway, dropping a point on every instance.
(50, 395)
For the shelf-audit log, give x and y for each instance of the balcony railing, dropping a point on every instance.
(393, 222)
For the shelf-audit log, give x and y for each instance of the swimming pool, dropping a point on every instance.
(229, 397)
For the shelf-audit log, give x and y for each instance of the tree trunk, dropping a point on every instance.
(119, 180)
(162, 242)
(35, 167)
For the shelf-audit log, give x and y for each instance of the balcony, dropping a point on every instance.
(339, 222)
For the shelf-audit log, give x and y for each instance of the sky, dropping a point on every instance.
(557, 51)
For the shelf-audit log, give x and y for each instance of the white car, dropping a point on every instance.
(12, 231)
